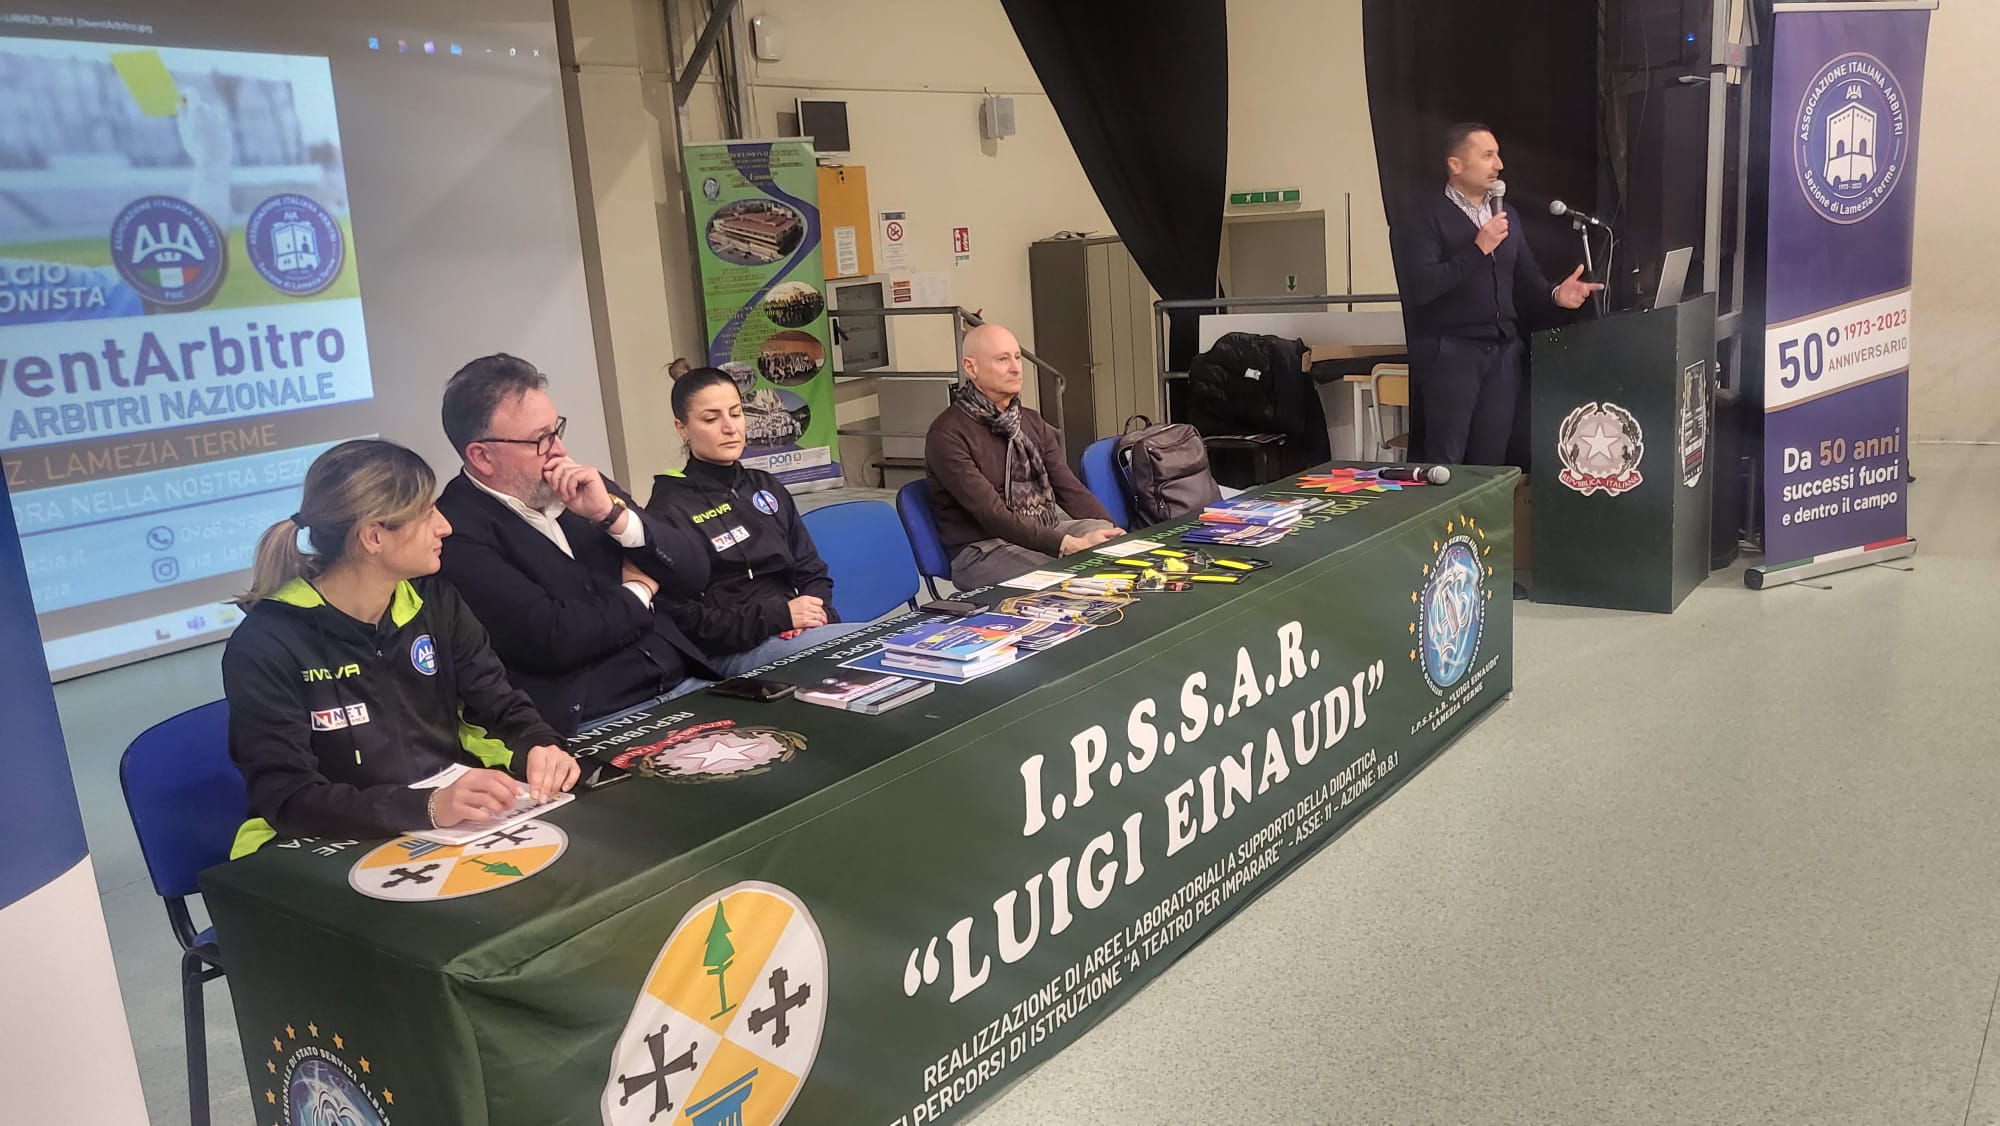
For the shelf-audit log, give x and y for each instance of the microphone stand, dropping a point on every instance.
(1589, 264)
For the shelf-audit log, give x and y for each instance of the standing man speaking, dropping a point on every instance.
(1466, 282)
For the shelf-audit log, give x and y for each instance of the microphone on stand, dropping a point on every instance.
(1435, 474)
(1563, 210)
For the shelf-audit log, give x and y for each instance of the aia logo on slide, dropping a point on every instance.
(294, 244)
(1851, 138)
(168, 251)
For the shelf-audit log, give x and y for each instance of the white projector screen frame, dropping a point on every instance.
(452, 152)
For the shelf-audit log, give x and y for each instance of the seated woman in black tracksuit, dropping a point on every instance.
(356, 672)
(768, 595)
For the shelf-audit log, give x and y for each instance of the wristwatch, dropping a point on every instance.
(618, 508)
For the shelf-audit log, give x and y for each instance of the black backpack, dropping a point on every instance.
(1165, 469)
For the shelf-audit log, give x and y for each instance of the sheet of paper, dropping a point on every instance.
(933, 288)
(525, 809)
(1036, 580)
(895, 240)
(846, 252)
(442, 778)
(1123, 548)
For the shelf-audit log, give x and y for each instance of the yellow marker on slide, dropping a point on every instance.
(145, 75)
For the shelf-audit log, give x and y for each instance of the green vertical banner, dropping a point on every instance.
(756, 216)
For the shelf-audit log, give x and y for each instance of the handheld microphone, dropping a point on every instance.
(1435, 474)
(1495, 198)
(1560, 209)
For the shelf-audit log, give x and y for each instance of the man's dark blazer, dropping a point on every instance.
(572, 637)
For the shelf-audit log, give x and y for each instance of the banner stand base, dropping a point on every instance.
(1761, 578)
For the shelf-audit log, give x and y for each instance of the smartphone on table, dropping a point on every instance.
(751, 688)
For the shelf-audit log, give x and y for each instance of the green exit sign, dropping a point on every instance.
(1269, 195)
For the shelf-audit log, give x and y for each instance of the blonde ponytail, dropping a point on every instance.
(359, 482)
(278, 562)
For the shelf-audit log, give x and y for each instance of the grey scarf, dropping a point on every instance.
(1027, 491)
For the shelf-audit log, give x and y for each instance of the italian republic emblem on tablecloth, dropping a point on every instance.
(410, 868)
(728, 1023)
(1601, 446)
(1451, 605)
(317, 1078)
(710, 751)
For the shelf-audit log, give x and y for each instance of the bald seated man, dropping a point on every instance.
(1005, 499)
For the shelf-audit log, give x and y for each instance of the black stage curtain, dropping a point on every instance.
(1142, 89)
(1528, 71)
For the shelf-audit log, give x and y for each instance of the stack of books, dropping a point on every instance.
(961, 650)
(870, 693)
(1247, 521)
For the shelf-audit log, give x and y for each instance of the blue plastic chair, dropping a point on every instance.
(1106, 481)
(871, 564)
(913, 504)
(187, 799)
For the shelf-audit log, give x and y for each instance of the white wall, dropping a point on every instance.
(913, 74)
(1954, 395)
(1298, 117)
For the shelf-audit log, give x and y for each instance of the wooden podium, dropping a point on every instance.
(1621, 467)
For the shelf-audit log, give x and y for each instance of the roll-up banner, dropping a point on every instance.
(1846, 99)
(757, 236)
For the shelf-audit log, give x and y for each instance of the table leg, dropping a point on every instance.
(1357, 432)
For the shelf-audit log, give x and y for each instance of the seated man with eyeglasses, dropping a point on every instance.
(556, 561)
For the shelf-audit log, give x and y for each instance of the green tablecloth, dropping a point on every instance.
(881, 919)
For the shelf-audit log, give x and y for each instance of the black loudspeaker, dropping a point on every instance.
(1667, 188)
(1732, 480)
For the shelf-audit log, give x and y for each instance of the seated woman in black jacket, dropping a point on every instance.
(768, 593)
(357, 675)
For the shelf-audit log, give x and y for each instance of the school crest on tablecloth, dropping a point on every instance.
(728, 1022)
(1601, 446)
(715, 750)
(317, 1077)
(1450, 607)
(409, 868)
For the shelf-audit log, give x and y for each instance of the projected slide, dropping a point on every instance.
(180, 322)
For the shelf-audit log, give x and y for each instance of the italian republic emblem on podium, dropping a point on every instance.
(728, 1022)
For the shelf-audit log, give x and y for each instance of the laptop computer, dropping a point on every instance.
(1673, 278)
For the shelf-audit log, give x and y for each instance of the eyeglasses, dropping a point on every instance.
(544, 445)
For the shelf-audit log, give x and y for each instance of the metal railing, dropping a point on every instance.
(1161, 309)
(961, 319)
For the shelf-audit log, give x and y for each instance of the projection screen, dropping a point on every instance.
(235, 233)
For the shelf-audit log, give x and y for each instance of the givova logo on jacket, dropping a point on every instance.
(728, 1022)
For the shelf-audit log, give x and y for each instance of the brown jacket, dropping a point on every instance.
(967, 467)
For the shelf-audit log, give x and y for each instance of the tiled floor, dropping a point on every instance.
(1728, 866)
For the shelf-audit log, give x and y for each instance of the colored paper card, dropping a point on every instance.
(145, 75)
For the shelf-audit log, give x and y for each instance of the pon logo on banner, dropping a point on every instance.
(728, 1023)
(1852, 140)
